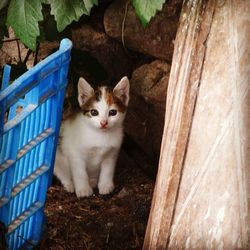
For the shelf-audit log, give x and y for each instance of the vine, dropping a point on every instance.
(26, 17)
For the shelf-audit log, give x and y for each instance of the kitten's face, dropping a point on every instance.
(105, 108)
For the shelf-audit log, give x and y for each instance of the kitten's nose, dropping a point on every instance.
(104, 123)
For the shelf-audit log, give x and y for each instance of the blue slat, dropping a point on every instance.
(28, 142)
(6, 77)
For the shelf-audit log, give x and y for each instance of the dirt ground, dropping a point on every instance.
(115, 221)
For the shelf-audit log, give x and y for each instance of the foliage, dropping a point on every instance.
(23, 16)
(66, 13)
(27, 18)
(146, 9)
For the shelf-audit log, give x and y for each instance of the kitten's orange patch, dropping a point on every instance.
(112, 99)
(109, 97)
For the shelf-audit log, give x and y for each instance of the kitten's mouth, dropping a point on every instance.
(104, 127)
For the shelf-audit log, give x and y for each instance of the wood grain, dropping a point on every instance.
(183, 87)
(201, 198)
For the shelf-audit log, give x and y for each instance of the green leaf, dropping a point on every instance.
(146, 9)
(45, 1)
(3, 3)
(67, 11)
(89, 4)
(23, 16)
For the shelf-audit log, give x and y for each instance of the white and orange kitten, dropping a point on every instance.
(90, 141)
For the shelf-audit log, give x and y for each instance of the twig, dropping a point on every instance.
(19, 51)
(36, 54)
(109, 226)
(10, 40)
(27, 56)
(123, 24)
(123, 29)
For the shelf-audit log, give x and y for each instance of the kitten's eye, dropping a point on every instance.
(112, 112)
(94, 112)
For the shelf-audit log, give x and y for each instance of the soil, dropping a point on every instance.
(114, 221)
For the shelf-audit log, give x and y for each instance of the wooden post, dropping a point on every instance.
(203, 183)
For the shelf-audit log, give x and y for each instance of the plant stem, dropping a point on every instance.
(19, 51)
(10, 40)
(36, 54)
(27, 56)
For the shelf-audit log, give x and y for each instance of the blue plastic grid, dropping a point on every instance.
(30, 115)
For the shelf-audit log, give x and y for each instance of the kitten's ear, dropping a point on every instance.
(84, 91)
(121, 90)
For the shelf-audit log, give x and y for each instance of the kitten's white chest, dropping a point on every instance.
(91, 145)
(95, 155)
(98, 152)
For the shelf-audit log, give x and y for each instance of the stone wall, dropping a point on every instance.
(145, 57)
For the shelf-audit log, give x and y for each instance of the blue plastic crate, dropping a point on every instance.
(30, 115)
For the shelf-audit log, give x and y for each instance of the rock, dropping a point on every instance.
(150, 82)
(109, 53)
(146, 112)
(9, 54)
(156, 39)
(46, 48)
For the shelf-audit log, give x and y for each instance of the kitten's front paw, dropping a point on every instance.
(69, 187)
(84, 192)
(106, 188)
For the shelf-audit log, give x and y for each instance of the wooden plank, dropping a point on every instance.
(183, 87)
(201, 199)
(212, 207)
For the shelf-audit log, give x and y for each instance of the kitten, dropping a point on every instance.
(87, 153)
